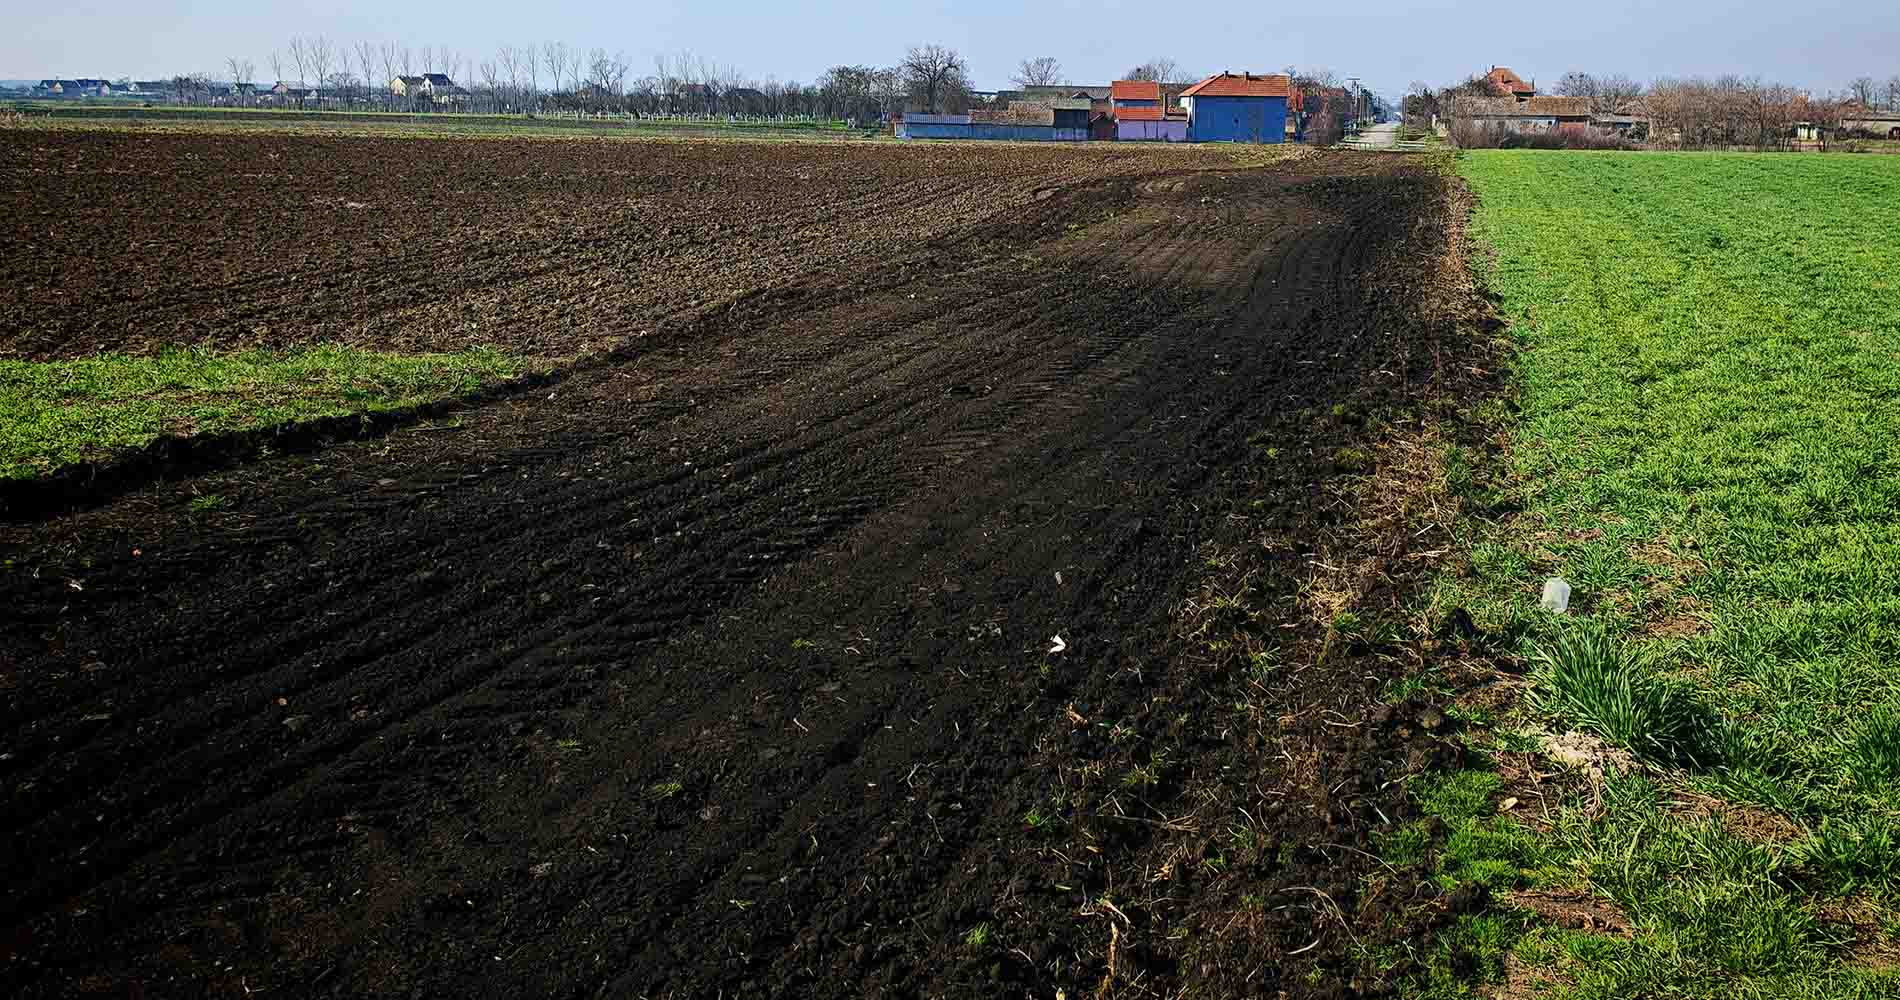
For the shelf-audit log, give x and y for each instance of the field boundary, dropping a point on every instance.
(82, 485)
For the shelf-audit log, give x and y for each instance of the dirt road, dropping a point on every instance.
(728, 668)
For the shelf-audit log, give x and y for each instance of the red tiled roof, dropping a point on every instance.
(1506, 81)
(1243, 85)
(1138, 114)
(1134, 90)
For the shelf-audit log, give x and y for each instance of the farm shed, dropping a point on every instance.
(1875, 123)
(1021, 122)
(1238, 108)
(1149, 125)
(1070, 112)
(1533, 114)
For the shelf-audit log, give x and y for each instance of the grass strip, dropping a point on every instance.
(1709, 361)
(57, 413)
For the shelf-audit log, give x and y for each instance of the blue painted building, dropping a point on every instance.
(1023, 121)
(1238, 108)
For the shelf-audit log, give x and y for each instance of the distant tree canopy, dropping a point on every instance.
(1162, 70)
(1606, 94)
(935, 76)
(1042, 71)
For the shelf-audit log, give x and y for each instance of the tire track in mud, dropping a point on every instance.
(873, 459)
(664, 612)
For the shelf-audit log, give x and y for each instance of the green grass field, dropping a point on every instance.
(1709, 450)
(56, 413)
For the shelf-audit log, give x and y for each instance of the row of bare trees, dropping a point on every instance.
(1869, 93)
(554, 76)
(1728, 111)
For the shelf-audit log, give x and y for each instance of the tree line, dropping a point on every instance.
(1694, 112)
(534, 77)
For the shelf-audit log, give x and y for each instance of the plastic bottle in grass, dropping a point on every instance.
(1556, 595)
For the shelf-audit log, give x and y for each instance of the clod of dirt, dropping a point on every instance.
(296, 723)
(1574, 910)
(1588, 754)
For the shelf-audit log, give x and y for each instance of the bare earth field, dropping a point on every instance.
(723, 664)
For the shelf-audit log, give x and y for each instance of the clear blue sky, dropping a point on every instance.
(1819, 45)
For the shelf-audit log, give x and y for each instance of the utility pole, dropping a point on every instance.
(1357, 99)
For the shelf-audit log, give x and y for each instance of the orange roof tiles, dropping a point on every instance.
(1506, 81)
(1242, 85)
(1134, 90)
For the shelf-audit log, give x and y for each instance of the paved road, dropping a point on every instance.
(1380, 136)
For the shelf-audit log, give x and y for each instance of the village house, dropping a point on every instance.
(73, 88)
(435, 86)
(1530, 114)
(1506, 83)
(1141, 114)
(1239, 107)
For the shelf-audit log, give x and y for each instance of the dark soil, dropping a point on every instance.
(726, 668)
(130, 241)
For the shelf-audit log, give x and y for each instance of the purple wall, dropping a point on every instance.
(1168, 131)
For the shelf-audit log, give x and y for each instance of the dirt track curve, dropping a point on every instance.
(721, 670)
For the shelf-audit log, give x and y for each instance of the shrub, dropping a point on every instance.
(1591, 679)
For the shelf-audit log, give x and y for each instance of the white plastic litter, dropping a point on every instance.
(1556, 595)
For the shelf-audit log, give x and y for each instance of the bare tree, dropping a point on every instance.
(1577, 84)
(888, 87)
(1893, 92)
(1162, 70)
(1615, 92)
(322, 56)
(408, 61)
(300, 54)
(933, 72)
(511, 70)
(531, 66)
(618, 68)
(366, 58)
(575, 61)
(276, 67)
(428, 58)
(1864, 91)
(554, 57)
(1042, 71)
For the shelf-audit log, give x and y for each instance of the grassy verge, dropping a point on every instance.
(1707, 368)
(60, 412)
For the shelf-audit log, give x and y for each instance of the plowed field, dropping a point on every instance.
(727, 665)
